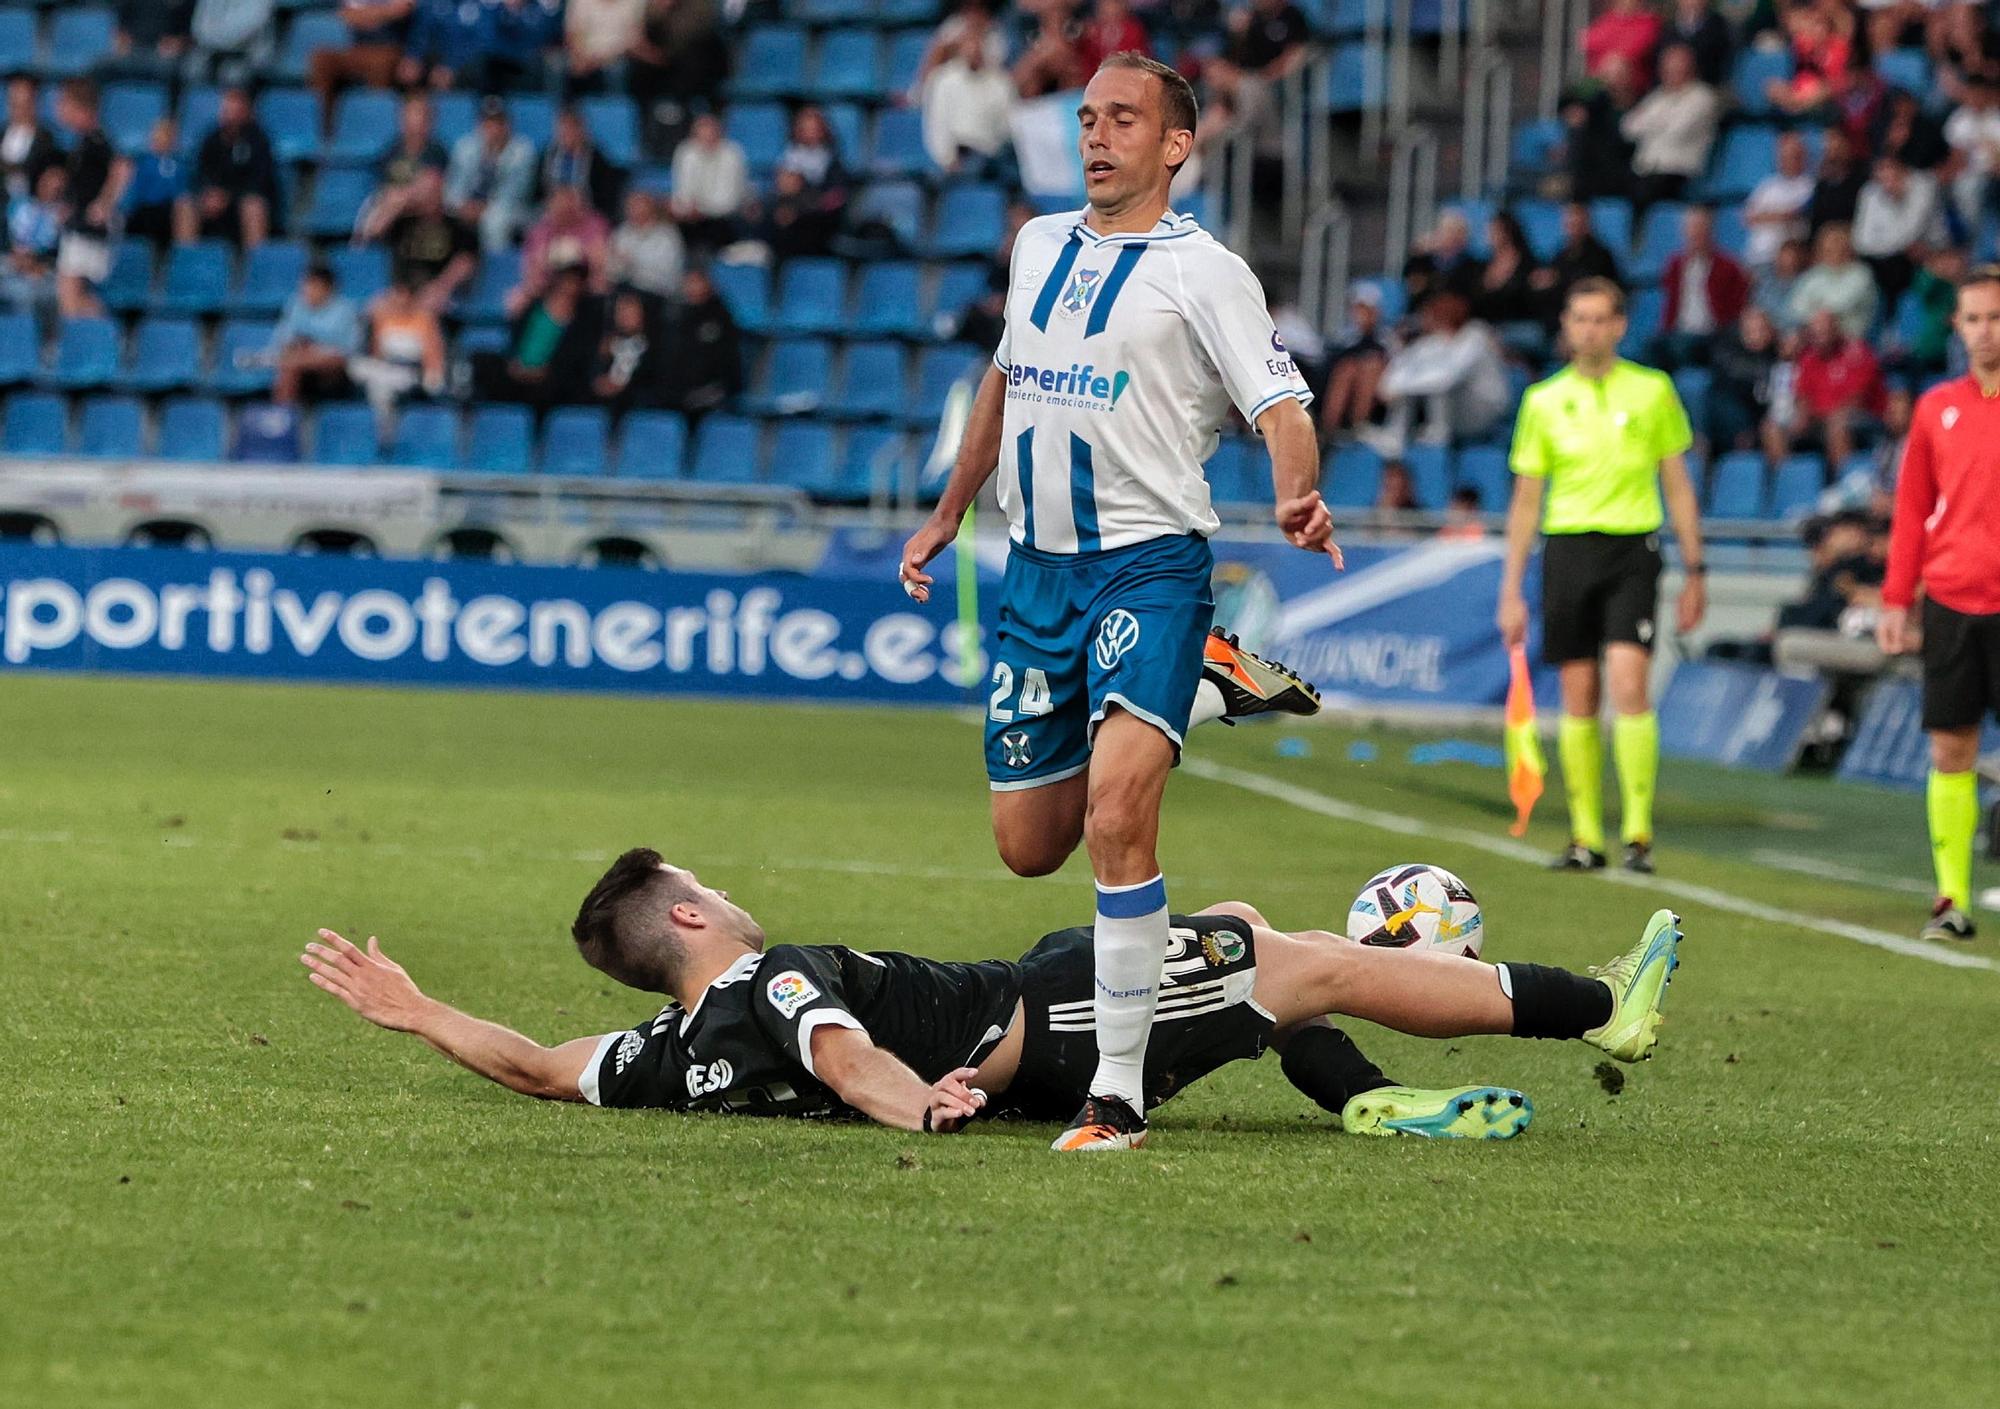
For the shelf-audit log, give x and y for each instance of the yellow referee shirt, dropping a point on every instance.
(1599, 445)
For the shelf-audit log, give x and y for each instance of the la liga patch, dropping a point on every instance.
(789, 992)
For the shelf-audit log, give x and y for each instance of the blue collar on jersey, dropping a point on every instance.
(1171, 227)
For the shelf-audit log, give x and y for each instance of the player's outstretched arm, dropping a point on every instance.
(378, 988)
(978, 457)
(1293, 443)
(875, 1082)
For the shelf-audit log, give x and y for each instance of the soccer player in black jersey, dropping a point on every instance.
(824, 1030)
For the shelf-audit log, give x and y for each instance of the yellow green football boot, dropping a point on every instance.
(1638, 981)
(1464, 1113)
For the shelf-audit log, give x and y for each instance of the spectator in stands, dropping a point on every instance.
(233, 39)
(27, 148)
(1453, 374)
(573, 159)
(569, 235)
(1773, 291)
(1837, 393)
(1112, 28)
(808, 191)
(711, 182)
(1596, 152)
(491, 179)
(157, 204)
(971, 17)
(647, 252)
(1351, 398)
(314, 337)
(431, 249)
(551, 349)
(1673, 129)
(967, 103)
(1463, 521)
(1582, 256)
(1395, 497)
(597, 35)
(1705, 290)
(1053, 60)
(1902, 129)
(627, 372)
(1266, 40)
(1973, 134)
(704, 355)
(1821, 56)
(95, 177)
(1900, 217)
(1934, 294)
(416, 150)
(1837, 192)
(1776, 208)
(1442, 260)
(488, 47)
(405, 353)
(152, 38)
(34, 234)
(680, 59)
(1741, 363)
(1847, 572)
(1837, 283)
(236, 175)
(1890, 20)
(1505, 292)
(1696, 24)
(380, 30)
(1627, 32)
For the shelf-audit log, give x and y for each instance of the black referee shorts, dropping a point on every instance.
(1598, 588)
(1961, 667)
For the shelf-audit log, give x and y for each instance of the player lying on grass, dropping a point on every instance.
(815, 1030)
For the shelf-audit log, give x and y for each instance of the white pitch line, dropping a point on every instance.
(1307, 800)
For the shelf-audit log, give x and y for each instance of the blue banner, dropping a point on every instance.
(1742, 716)
(1890, 747)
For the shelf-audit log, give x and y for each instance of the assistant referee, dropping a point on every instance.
(1594, 447)
(1946, 536)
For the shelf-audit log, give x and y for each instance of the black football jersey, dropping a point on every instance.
(746, 1044)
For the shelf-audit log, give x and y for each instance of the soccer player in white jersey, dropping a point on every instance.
(1130, 332)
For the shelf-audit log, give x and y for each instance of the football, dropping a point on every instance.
(1417, 906)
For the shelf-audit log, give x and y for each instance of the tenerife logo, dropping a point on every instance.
(1082, 289)
(1015, 747)
(1119, 634)
(1082, 387)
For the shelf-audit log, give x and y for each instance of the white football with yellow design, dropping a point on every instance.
(1415, 906)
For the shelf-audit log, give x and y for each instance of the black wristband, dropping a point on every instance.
(927, 1122)
(1694, 569)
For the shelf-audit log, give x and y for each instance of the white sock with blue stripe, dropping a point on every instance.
(1130, 950)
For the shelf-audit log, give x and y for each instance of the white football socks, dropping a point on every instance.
(1130, 952)
(1207, 704)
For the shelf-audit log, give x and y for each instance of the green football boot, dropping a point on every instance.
(1465, 1113)
(1638, 981)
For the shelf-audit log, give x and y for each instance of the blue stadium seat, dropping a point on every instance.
(271, 274)
(899, 144)
(484, 299)
(197, 278)
(360, 272)
(802, 453)
(871, 453)
(191, 428)
(614, 125)
(112, 428)
(850, 132)
(1907, 69)
(129, 111)
(1355, 81)
(938, 371)
(1354, 479)
(1658, 239)
(240, 339)
(291, 118)
(266, 433)
(1535, 144)
(500, 440)
(364, 127)
(316, 29)
(20, 349)
(1732, 231)
(128, 288)
(1484, 468)
(78, 41)
(86, 354)
(959, 286)
(576, 441)
(533, 116)
(1611, 219)
(1796, 490)
(1430, 473)
(812, 297)
(796, 381)
(652, 445)
(36, 424)
(849, 65)
(909, 12)
(337, 198)
(827, 12)
(895, 204)
(1542, 222)
(872, 381)
(489, 338)
(453, 114)
(725, 450)
(426, 438)
(1235, 472)
(1755, 68)
(1748, 154)
(770, 63)
(1647, 311)
(885, 300)
(746, 289)
(17, 41)
(970, 220)
(166, 355)
(197, 116)
(1692, 383)
(906, 56)
(344, 433)
(1736, 486)
(761, 130)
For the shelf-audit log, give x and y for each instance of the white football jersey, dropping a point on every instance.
(1123, 355)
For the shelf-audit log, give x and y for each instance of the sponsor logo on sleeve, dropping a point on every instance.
(789, 992)
(629, 1047)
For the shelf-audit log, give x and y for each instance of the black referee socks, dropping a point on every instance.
(1552, 1002)
(1324, 1063)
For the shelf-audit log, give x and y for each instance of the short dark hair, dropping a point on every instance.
(82, 92)
(622, 927)
(1979, 274)
(1178, 110)
(1597, 284)
(320, 274)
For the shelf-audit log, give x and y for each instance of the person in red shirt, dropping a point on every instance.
(1838, 381)
(1821, 57)
(1628, 30)
(1944, 537)
(1112, 28)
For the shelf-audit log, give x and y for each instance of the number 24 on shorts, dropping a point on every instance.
(1035, 700)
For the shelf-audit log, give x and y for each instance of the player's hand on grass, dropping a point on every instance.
(925, 544)
(1892, 631)
(953, 1102)
(1512, 619)
(1693, 604)
(368, 981)
(1307, 523)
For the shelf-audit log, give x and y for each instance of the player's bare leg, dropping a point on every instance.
(1036, 829)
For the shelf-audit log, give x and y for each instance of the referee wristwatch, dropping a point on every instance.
(1694, 569)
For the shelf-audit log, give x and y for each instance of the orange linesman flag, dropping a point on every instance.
(1525, 765)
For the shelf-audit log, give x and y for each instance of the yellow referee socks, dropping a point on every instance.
(1581, 748)
(1635, 746)
(1953, 800)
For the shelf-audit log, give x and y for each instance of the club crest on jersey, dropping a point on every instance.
(1221, 947)
(789, 992)
(1082, 289)
(1119, 634)
(1950, 417)
(1014, 749)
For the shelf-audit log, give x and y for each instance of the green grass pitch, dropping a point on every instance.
(221, 1188)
